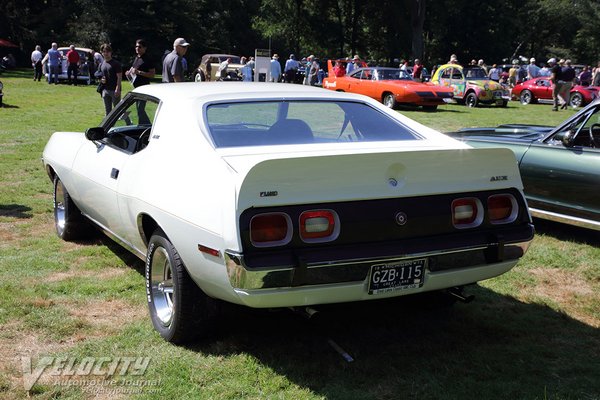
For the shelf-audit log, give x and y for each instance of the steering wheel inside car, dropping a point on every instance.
(142, 142)
(593, 141)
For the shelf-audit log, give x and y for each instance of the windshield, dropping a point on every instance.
(475, 73)
(301, 122)
(392, 74)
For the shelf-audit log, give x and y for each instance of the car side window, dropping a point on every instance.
(130, 129)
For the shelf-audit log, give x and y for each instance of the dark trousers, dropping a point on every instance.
(37, 71)
(72, 69)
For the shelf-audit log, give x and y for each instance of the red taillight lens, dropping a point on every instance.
(467, 213)
(502, 209)
(272, 229)
(318, 225)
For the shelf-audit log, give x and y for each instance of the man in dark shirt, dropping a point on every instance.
(142, 69)
(111, 78)
(172, 64)
(557, 81)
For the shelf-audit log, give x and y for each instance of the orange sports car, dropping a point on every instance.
(391, 86)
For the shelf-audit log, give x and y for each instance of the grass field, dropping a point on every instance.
(533, 333)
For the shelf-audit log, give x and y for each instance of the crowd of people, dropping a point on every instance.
(101, 66)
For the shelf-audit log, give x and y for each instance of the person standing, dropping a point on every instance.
(352, 64)
(222, 71)
(585, 77)
(53, 57)
(290, 69)
(72, 64)
(111, 76)
(142, 69)
(568, 76)
(275, 68)
(417, 73)
(494, 73)
(173, 64)
(557, 81)
(533, 71)
(36, 62)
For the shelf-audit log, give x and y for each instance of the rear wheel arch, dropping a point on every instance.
(147, 226)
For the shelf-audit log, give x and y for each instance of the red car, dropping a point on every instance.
(540, 89)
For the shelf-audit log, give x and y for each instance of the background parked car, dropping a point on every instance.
(209, 67)
(391, 86)
(471, 85)
(85, 59)
(540, 90)
(560, 167)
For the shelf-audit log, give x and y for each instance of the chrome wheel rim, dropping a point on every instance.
(470, 101)
(576, 101)
(162, 286)
(388, 101)
(60, 218)
(526, 98)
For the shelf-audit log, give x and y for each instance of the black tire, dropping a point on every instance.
(69, 222)
(576, 100)
(504, 103)
(471, 100)
(389, 100)
(199, 77)
(526, 97)
(430, 108)
(180, 311)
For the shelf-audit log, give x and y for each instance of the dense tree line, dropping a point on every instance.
(379, 30)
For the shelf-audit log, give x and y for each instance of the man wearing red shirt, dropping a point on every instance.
(73, 61)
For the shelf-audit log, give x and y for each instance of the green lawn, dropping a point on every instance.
(533, 333)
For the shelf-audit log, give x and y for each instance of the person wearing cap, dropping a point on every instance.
(173, 63)
(533, 71)
(290, 69)
(352, 64)
(275, 69)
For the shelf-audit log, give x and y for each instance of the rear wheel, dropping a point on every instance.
(576, 100)
(389, 100)
(199, 77)
(69, 222)
(526, 97)
(471, 100)
(179, 309)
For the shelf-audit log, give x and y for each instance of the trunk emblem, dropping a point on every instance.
(401, 218)
(270, 193)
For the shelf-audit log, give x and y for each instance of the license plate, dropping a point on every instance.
(400, 275)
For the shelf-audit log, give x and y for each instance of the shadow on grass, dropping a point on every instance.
(15, 211)
(494, 348)
(567, 232)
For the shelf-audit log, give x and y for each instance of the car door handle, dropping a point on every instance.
(114, 173)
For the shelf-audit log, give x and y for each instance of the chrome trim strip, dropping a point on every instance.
(565, 219)
(242, 278)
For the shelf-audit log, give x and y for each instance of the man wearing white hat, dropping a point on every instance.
(275, 68)
(173, 65)
(533, 71)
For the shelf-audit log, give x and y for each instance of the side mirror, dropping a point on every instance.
(566, 137)
(96, 133)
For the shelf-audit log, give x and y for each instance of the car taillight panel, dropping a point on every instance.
(319, 226)
(467, 212)
(270, 229)
(502, 208)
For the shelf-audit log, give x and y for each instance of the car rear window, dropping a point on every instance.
(301, 122)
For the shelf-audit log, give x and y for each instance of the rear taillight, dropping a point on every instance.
(467, 213)
(319, 226)
(272, 229)
(502, 208)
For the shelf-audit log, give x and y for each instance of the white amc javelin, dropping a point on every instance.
(275, 195)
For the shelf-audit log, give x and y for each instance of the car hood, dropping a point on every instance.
(504, 133)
